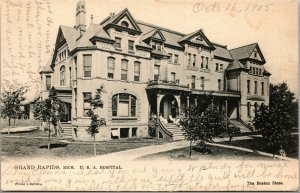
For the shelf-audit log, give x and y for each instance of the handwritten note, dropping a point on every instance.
(27, 29)
(145, 176)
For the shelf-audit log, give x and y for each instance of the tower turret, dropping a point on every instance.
(80, 18)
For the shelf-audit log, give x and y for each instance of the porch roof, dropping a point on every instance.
(167, 85)
(218, 93)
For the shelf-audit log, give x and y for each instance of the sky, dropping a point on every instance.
(29, 29)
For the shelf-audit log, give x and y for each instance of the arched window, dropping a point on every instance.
(248, 109)
(124, 105)
(62, 76)
(248, 86)
(124, 24)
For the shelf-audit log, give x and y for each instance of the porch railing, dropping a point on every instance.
(245, 124)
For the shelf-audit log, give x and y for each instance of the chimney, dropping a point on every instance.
(80, 18)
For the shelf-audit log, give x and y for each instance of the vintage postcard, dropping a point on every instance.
(131, 95)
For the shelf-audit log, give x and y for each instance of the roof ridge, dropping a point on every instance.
(66, 26)
(243, 46)
(159, 27)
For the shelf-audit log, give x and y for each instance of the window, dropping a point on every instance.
(255, 87)
(194, 60)
(134, 132)
(124, 69)
(75, 62)
(262, 88)
(255, 106)
(221, 67)
(202, 61)
(130, 45)
(158, 46)
(62, 76)
(250, 71)
(173, 76)
(70, 71)
(189, 59)
(248, 109)
(256, 71)
(156, 72)
(137, 71)
(193, 86)
(123, 105)
(259, 71)
(86, 103)
(206, 63)
(87, 65)
(248, 86)
(202, 83)
(219, 84)
(48, 82)
(124, 24)
(199, 39)
(171, 58)
(176, 59)
(255, 54)
(75, 97)
(118, 42)
(110, 67)
(153, 45)
(124, 132)
(217, 67)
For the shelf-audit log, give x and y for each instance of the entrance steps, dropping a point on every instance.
(243, 128)
(177, 132)
(67, 129)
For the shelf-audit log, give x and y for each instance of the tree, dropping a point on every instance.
(96, 122)
(48, 111)
(203, 123)
(11, 99)
(275, 121)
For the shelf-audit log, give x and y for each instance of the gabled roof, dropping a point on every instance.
(222, 51)
(171, 37)
(84, 41)
(47, 68)
(198, 32)
(70, 35)
(153, 34)
(114, 19)
(245, 52)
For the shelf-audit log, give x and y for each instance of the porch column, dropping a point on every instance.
(196, 101)
(239, 110)
(158, 100)
(226, 111)
(178, 98)
(187, 101)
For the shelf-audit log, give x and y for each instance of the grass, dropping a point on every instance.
(24, 145)
(258, 144)
(212, 152)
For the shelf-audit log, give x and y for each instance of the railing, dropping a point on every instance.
(165, 82)
(245, 124)
(164, 131)
(229, 122)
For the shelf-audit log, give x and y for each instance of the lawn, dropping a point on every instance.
(213, 152)
(23, 145)
(258, 144)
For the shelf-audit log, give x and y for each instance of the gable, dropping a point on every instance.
(116, 22)
(256, 55)
(126, 20)
(199, 39)
(158, 35)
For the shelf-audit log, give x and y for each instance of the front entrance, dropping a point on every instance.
(65, 113)
(169, 106)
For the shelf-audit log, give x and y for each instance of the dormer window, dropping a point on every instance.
(255, 54)
(124, 24)
(158, 46)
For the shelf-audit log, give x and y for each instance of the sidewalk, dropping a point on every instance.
(19, 129)
(133, 154)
